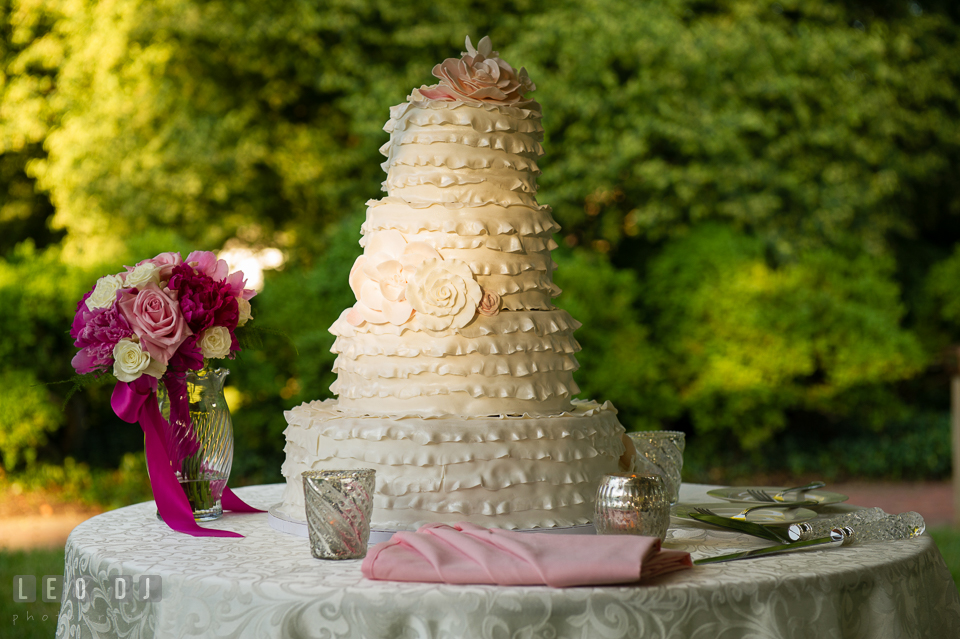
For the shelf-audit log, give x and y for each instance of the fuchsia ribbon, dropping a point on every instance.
(137, 402)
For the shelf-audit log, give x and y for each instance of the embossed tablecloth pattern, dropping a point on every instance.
(268, 585)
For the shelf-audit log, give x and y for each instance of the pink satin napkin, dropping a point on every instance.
(469, 554)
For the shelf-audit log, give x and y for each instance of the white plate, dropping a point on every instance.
(739, 494)
(779, 515)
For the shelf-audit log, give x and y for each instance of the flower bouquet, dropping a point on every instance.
(154, 327)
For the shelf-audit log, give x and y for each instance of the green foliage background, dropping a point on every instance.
(759, 203)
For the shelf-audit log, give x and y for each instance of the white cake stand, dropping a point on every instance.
(286, 524)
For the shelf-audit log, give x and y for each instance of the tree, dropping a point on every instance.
(762, 191)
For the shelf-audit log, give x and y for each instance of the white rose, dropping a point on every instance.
(130, 362)
(105, 292)
(215, 342)
(143, 274)
(379, 278)
(245, 315)
(444, 294)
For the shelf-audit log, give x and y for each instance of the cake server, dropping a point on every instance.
(757, 530)
(838, 537)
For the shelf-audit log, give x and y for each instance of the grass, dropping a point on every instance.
(948, 541)
(76, 483)
(28, 620)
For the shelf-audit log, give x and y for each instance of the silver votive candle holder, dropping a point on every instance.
(663, 449)
(632, 504)
(339, 504)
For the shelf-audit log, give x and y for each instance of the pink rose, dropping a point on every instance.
(479, 76)
(156, 319)
(489, 304)
(165, 262)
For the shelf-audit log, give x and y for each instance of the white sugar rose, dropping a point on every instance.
(130, 362)
(379, 278)
(105, 292)
(444, 294)
(141, 275)
(215, 342)
(245, 311)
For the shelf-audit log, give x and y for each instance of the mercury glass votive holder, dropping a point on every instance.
(663, 449)
(339, 504)
(632, 504)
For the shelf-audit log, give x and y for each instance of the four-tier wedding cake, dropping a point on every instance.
(455, 369)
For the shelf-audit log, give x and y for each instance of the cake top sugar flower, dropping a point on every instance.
(479, 76)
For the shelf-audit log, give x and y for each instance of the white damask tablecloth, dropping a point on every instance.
(268, 585)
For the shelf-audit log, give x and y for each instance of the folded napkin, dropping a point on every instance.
(469, 554)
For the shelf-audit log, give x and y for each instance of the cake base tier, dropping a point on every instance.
(505, 472)
(285, 523)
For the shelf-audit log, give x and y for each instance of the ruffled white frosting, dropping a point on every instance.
(485, 218)
(514, 365)
(479, 117)
(539, 323)
(462, 179)
(401, 177)
(515, 143)
(502, 243)
(465, 416)
(448, 156)
(526, 110)
(512, 472)
(511, 363)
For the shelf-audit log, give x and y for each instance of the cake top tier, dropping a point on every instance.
(454, 312)
(479, 76)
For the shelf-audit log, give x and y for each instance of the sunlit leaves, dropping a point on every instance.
(748, 342)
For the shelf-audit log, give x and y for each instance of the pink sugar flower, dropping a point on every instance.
(479, 76)
(489, 303)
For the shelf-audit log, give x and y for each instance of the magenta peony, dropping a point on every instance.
(188, 356)
(155, 317)
(205, 302)
(479, 76)
(96, 333)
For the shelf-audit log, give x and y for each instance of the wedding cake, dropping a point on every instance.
(454, 368)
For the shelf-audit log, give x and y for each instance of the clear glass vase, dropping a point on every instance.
(199, 439)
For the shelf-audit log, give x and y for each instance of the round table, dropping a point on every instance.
(268, 585)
